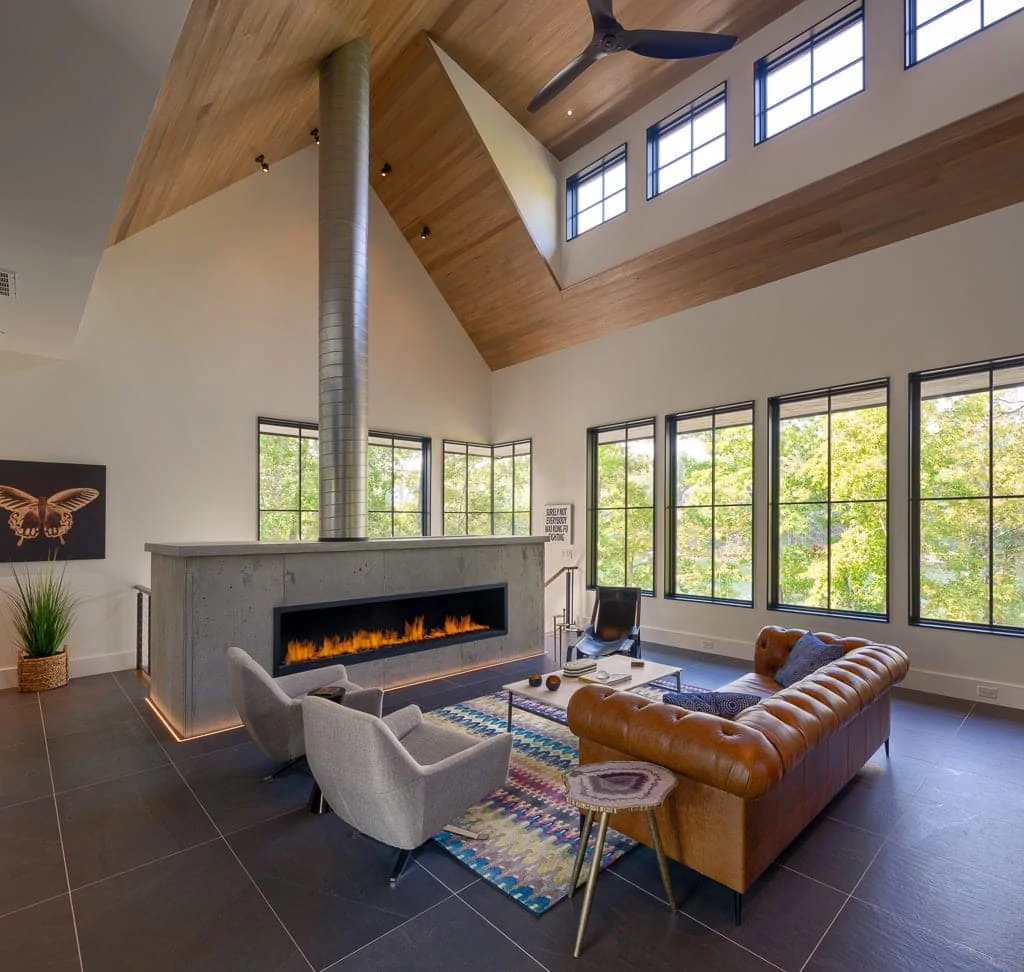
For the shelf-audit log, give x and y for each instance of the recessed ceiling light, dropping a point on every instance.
(425, 233)
(385, 170)
(569, 112)
(262, 163)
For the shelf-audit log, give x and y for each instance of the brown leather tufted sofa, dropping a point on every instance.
(748, 786)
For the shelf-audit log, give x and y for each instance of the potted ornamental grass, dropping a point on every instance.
(42, 612)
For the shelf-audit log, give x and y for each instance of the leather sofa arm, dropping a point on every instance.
(730, 756)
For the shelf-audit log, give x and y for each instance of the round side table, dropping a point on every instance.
(615, 787)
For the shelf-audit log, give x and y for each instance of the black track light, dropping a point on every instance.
(385, 170)
(262, 163)
(316, 135)
(425, 233)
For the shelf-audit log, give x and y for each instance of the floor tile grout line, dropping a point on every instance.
(60, 839)
(501, 931)
(34, 904)
(139, 867)
(679, 910)
(914, 926)
(383, 935)
(227, 844)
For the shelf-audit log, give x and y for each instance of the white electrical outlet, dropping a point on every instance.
(707, 645)
(988, 692)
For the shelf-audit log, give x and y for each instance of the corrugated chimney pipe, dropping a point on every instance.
(344, 362)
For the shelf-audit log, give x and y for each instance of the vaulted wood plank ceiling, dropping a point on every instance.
(243, 79)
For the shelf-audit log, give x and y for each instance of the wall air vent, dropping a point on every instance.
(7, 288)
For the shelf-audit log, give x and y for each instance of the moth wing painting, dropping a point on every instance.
(52, 507)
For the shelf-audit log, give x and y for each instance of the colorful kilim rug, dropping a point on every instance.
(529, 833)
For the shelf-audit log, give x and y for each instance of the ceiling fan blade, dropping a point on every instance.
(675, 44)
(601, 10)
(562, 80)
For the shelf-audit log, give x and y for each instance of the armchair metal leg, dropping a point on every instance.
(317, 803)
(400, 863)
(737, 907)
(281, 770)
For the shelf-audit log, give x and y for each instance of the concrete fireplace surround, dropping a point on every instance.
(208, 596)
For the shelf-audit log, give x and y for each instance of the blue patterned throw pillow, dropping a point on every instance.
(807, 655)
(728, 705)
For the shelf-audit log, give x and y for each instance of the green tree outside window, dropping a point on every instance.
(829, 509)
(621, 506)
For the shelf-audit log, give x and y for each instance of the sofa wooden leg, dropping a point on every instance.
(887, 748)
(737, 907)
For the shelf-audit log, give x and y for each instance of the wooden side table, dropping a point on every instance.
(620, 786)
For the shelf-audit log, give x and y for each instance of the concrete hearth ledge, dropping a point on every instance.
(245, 548)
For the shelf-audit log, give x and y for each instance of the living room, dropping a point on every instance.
(199, 324)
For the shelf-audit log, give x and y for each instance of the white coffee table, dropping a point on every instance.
(559, 699)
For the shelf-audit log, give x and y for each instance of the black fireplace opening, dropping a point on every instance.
(311, 635)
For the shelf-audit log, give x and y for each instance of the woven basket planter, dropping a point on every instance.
(42, 674)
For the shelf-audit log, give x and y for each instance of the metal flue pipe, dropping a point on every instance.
(344, 359)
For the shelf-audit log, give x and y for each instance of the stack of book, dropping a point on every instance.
(578, 667)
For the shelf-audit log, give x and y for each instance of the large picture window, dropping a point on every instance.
(289, 480)
(967, 496)
(621, 505)
(397, 482)
(397, 485)
(829, 510)
(711, 484)
(487, 488)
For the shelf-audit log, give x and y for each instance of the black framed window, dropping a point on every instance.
(397, 485)
(828, 501)
(967, 496)
(688, 142)
(397, 482)
(934, 25)
(710, 527)
(620, 505)
(289, 480)
(814, 71)
(595, 194)
(487, 488)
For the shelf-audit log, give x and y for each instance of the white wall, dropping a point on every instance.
(951, 296)
(79, 78)
(896, 106)
(193, 328)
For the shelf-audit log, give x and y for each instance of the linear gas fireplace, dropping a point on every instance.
(310, 635)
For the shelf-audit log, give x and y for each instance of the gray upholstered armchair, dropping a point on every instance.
(271, 708)
(399, 779)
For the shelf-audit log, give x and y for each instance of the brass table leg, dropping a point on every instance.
(652, 823)
(581, 851)
(595, 869)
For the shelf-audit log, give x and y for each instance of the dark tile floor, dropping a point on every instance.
(123, 850)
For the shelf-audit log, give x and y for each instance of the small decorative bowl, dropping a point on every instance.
(553, 683)
(534, 680)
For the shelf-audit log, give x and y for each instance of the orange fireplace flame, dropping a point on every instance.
(298, 652)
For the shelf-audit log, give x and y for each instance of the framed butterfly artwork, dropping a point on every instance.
(52, 508)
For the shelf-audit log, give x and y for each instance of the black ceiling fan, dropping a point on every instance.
(610, 37)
